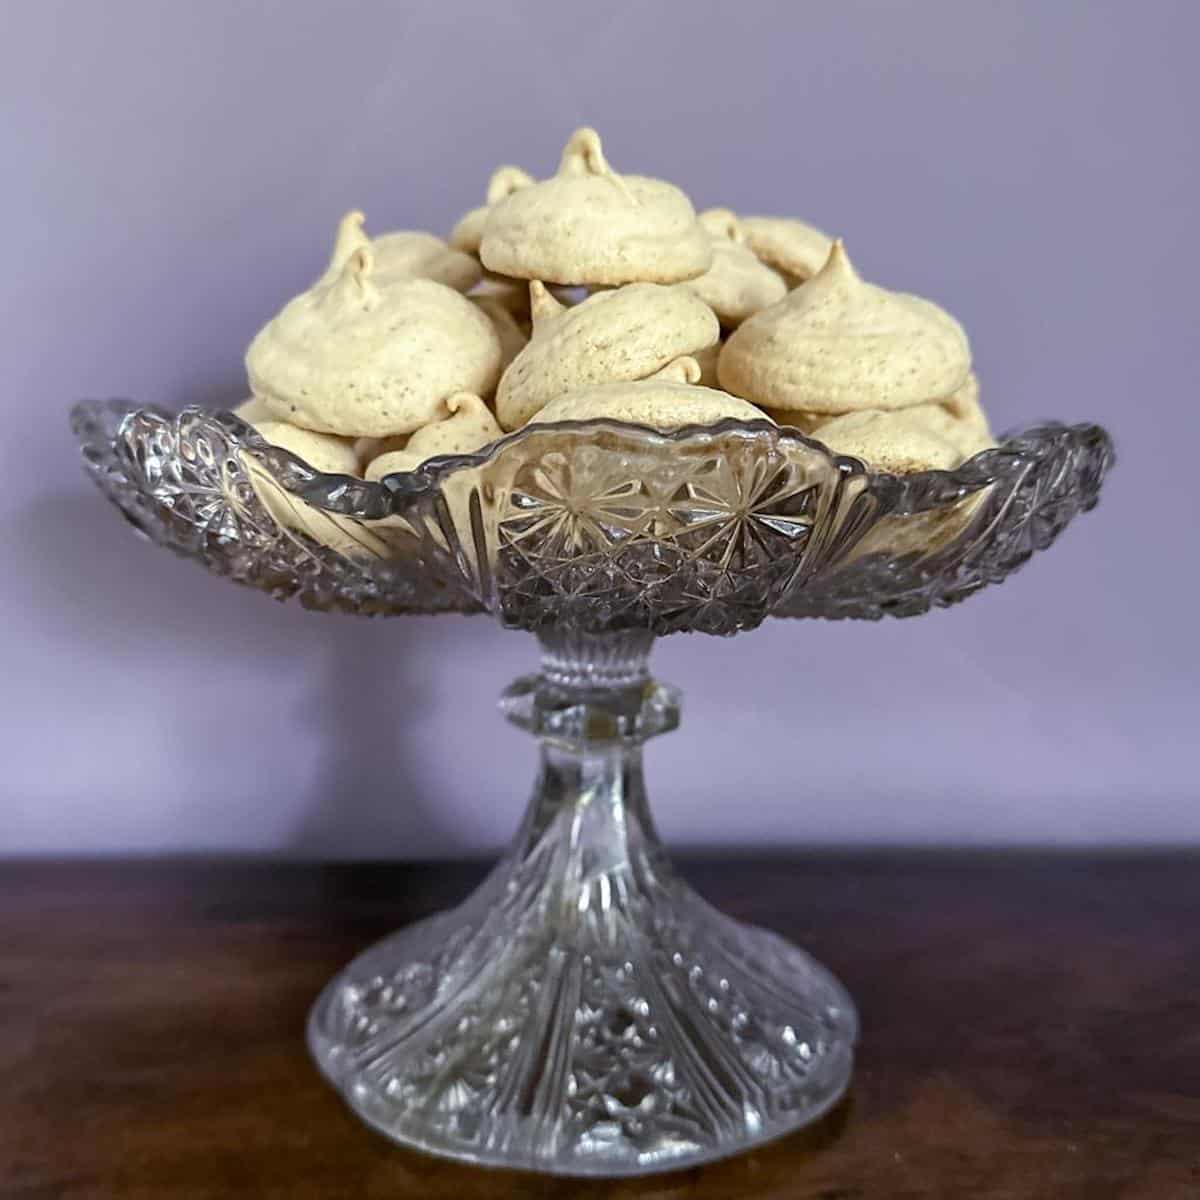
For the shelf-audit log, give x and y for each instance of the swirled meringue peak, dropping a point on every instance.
(627, 333)
(737, 285)
(468, 233)
(469, 427)
(794, 248)
(365, 358)
(404, 254)
(588, 225)
(839, 344)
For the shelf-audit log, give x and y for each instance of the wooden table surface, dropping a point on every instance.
(1031, 1028)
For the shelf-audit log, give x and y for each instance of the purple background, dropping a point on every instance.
(172, 173)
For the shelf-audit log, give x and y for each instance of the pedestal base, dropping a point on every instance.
(646, 1034)
(585, 1012)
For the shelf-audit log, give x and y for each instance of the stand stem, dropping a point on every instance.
(593, 706)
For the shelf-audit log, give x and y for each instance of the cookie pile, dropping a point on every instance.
(597, 294)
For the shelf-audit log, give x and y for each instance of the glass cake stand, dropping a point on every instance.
(584, 1012)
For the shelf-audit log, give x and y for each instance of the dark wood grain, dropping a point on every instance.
(1031, 1029)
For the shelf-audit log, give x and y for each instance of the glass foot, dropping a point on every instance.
(585, 1012)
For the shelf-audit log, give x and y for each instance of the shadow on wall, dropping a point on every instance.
(93, 581)
(367, 800)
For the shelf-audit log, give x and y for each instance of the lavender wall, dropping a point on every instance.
(172, 172)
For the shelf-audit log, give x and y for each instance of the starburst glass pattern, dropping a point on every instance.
(597, 526)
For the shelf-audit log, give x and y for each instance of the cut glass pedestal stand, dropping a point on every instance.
(584, 1012)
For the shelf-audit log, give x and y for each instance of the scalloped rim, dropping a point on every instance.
(972, 475)
(115, 435)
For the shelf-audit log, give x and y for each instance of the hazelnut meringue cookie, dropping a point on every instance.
(966, 408)
(838, 344)
(899, 442)
(966, 438)
(624, 334)
(959, 420)
(667, 400)
(806, 423)
(794, 248)
(361, 360)
(513, 294)
(587, 225)
(367, 449)
(468, 233)
(737, 285)
(405, 254)
(329, 455)
(721, 223)
(513, 339)
(324, 452)
(254, 410)
(706, 359)
(469, 427)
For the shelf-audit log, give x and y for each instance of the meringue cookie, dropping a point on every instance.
(792, 247)
(837, 344)
(367, 449)
(331, 456)
(959, 420)
(722, 223)
(513, 339)
(254, 410)
(966, 440)
(405, 254)
(409, 254)
(964, 405)
(684, 369)
(323, 452)
(707, 361)
(624, 334)
(896, 442)
(589, 225)
(667, 400)
(737, 285)
(807, 423)
(469, 427)
(468, 233)
(363, 360)
(512, 293)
